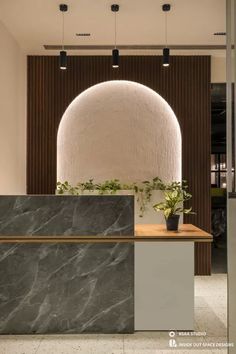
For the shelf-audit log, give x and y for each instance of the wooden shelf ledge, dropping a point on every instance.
(143, 233)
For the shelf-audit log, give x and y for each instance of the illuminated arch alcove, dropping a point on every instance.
(118, 129)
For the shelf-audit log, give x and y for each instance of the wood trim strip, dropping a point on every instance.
(54, 239)
(136, 47)
(143, 233)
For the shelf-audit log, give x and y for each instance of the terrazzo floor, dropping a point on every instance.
(210, 317)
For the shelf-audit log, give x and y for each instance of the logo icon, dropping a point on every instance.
(171, 333)
(172, 343)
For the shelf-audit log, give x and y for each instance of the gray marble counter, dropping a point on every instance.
(66, 215)
(66, 288)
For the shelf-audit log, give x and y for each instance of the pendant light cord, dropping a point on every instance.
(115, 30)
(63, 31)
(166, 29)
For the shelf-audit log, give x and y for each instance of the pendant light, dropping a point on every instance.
(115, 51)
(166, 50)
(63, 55)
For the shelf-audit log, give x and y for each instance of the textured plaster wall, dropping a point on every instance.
(12, 115)
(118, 129)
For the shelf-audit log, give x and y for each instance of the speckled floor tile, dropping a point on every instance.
(20, 344)
(211, 286)
(211, 301)
(211, 322)
(146, 341)
(86, 344)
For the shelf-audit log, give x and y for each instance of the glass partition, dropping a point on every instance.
(231, 155)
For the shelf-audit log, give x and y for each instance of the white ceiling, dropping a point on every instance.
(37, 22)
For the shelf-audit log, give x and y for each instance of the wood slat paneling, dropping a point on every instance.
(186, 87)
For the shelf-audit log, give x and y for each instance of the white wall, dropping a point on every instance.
(218, 69)
(12, 115)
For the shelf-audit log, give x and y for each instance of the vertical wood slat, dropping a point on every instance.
(186, 87)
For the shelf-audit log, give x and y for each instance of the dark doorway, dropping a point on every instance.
(218, 177)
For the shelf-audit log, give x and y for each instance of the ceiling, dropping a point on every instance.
(34, 23)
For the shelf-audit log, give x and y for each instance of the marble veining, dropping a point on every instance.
(66, 215)
(66, 288)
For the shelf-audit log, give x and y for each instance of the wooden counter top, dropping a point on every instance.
(143, 232)
(186, 231)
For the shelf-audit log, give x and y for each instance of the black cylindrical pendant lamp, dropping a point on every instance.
(63, 60)
(166, 51)
(166, 57)
(115, 52)
(115, 58)
(63, 55)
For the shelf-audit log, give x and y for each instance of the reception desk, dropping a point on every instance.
(78, 265)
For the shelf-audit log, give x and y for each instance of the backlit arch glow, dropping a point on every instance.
(118, 129)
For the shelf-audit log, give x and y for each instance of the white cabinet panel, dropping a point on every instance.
(164, 286)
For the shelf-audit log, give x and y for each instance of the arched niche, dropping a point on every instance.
(118, 129)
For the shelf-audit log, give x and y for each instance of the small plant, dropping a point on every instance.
(143, 190)
(89, 186)
(66, 188)
(175, 194)
(110, 187)
(144, 193)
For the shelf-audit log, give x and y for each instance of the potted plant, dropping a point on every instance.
(143, 191)
(175, 194)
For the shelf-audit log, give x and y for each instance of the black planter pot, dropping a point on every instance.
(172, 223)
